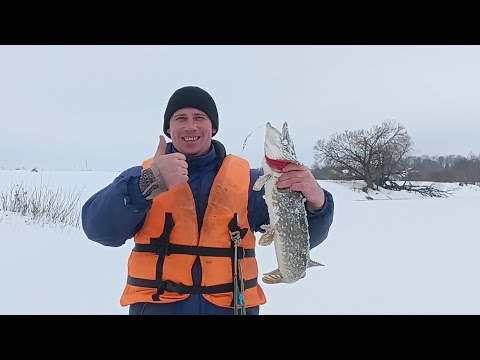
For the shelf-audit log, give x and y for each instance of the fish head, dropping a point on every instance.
(279, 148)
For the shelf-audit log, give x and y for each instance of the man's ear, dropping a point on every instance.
(168, 131)
(214, 131)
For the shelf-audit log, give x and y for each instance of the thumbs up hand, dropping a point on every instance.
(173, 168)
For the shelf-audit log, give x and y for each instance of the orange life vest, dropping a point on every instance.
(160, 264)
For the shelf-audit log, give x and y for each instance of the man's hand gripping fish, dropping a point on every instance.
(288, 228)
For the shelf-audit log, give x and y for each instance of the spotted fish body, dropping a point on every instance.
(288, 228)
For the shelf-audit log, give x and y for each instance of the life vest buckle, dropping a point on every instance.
(164, 286)
(242, 254)
(161, 288)
(170, 286)
(161, 248)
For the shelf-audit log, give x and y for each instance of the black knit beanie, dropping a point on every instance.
(194, 97)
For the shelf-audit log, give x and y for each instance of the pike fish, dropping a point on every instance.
(288, 228)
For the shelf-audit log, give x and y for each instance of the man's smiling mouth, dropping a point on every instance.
(190, 138)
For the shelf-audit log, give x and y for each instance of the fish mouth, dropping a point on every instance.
(277, 164)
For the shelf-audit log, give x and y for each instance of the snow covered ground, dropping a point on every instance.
(400, 253)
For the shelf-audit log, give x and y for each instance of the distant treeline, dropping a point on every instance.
(448, 168)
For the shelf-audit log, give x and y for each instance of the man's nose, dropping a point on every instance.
(190, 124)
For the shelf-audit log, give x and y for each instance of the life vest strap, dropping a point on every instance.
(166, 248)
(170, 286)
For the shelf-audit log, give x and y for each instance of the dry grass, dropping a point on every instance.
(54, 207)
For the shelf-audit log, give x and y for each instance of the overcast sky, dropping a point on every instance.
(76, 107)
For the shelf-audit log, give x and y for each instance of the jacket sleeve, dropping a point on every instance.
(257, 208)
(115, 213)
(319, 222)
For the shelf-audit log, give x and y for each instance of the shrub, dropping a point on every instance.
(42, 205)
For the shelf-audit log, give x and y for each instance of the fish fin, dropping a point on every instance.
(267, 237)
(266, 227)
(313, 263)
(273, 277)
(261, 181)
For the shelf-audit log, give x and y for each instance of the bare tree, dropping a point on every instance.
(376, 156)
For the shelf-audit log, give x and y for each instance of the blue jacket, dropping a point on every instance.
(115, 214)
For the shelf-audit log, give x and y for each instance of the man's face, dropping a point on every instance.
(191, 132)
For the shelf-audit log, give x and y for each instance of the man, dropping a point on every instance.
(182, 207)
